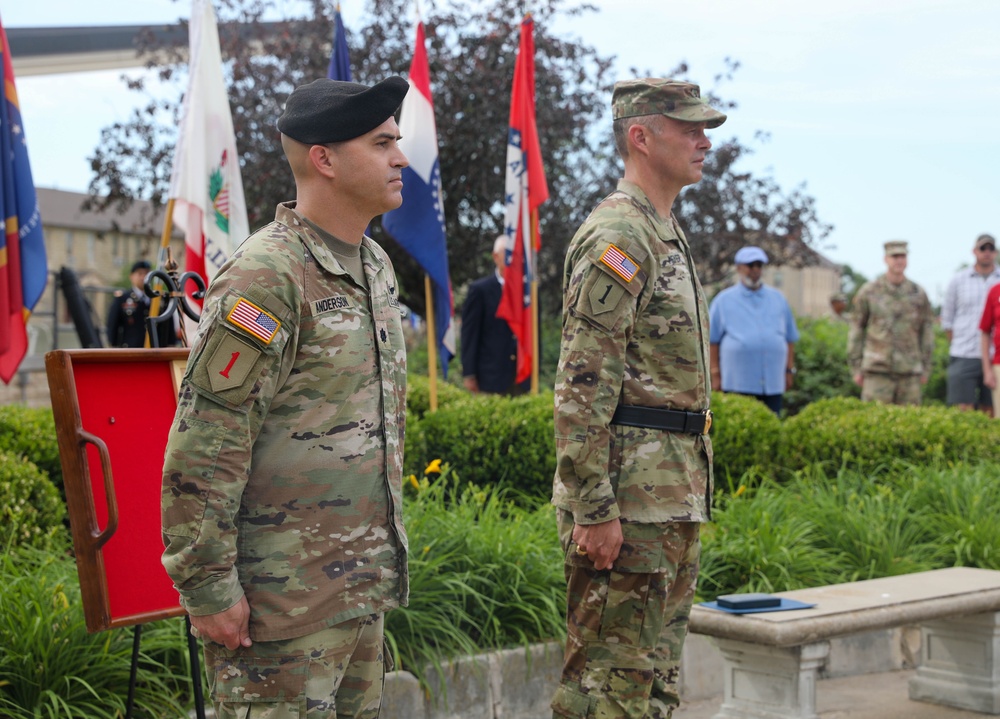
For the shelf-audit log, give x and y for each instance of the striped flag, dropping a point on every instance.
(526, 189)
(23, 267)
(418, 224)
(206, 184)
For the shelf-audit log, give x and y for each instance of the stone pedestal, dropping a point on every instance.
(764, 682)
(960, 663)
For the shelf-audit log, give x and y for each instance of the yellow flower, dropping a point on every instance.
(741, 490)
(427, 549)
(434, 467)
(413, 481)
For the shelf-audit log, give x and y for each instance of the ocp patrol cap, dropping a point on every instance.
(327, 110)
(896, 247)
(663, 96)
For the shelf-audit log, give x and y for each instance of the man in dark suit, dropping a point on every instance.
(489, 348)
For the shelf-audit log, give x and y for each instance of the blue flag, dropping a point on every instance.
(23, 267)
(340, 59)
(418, 224)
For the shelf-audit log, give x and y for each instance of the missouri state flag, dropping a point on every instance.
(526, 189)
(418, 224)
(23, 267)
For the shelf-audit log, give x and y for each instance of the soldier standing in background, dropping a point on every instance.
(282, 481)
(634, 462)
(892, 334)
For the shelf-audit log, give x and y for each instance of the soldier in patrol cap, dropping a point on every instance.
(282, 477)
(891, 338)
(634, 472)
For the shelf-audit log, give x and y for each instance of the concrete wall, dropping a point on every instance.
(518, 684)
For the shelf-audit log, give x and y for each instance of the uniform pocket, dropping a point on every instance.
(252, 680)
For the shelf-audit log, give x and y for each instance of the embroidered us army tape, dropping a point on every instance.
(248, 316)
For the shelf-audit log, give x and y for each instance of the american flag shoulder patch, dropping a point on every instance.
(620, 263)
(248, 316)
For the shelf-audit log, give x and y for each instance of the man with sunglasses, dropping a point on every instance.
(960, 314)
(753, 335)
(891, 340)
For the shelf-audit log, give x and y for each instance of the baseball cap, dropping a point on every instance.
(748, 254)
(896, 247)
(662, 96)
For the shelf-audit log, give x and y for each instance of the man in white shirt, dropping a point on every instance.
(960, 314)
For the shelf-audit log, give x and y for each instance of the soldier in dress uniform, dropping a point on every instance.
(634, 461)
(128, 312)
(891, 339)
(281, 496)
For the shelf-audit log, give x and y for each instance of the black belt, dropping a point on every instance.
(672, 420)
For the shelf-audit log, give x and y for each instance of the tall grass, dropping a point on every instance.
(484, 574)
(51, 667)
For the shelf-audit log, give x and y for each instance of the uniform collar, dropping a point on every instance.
(286, 214)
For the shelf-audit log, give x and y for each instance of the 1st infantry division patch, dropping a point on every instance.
(620, 263)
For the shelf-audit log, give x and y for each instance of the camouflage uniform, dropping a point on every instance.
(282, 475)
(891, 340)
(638, 340)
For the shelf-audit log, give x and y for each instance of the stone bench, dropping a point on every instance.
(772, 659)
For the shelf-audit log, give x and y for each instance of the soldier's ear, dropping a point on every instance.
(638, 138)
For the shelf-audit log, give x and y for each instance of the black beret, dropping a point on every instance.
(334, 111)
(140, 265)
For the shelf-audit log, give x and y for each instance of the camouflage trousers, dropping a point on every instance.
(890, 388)
(626, 626)
(334, 673)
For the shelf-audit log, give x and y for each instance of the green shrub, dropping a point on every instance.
(745, 437)
(51, 667)
(495, 440)
(30, 505)
(32, 433)
(418, 396)
(821, 361)
(936, 389)
(867, 435)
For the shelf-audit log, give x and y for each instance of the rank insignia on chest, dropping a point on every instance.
(620, 263)
(248, 316)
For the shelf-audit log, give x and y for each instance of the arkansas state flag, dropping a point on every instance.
(418, 224)
(526, 189)
(206, 184)
(23, 267)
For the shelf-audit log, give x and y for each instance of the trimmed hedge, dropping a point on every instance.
(866, 435)
(32, 434)
(492, 439)
(745, 436)
(31, 509)
(418, 396)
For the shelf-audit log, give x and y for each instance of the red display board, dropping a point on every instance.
(113, 409)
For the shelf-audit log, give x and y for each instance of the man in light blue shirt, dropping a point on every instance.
(752, 335)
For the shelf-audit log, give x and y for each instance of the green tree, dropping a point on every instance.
(471, 49)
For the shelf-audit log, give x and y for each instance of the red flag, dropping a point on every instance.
(526, 189)
(23, 268)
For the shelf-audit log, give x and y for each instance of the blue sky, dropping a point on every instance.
(887, 111)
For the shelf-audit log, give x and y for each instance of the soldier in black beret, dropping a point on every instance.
(282, 481)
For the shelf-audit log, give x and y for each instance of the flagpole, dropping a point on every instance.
(168, 229)
(431, 343)
(532, 236)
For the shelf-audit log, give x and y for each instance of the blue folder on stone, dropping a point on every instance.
(754, 603)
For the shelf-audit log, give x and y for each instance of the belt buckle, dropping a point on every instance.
(708, 422)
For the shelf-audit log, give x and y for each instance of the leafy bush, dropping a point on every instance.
(51, 667)
(30, 506)
(745, 436)
(418, 396)
(821, 360)
(936, 389)
(495, 440)
(867, 435)
(484, 574)
(32, 434)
